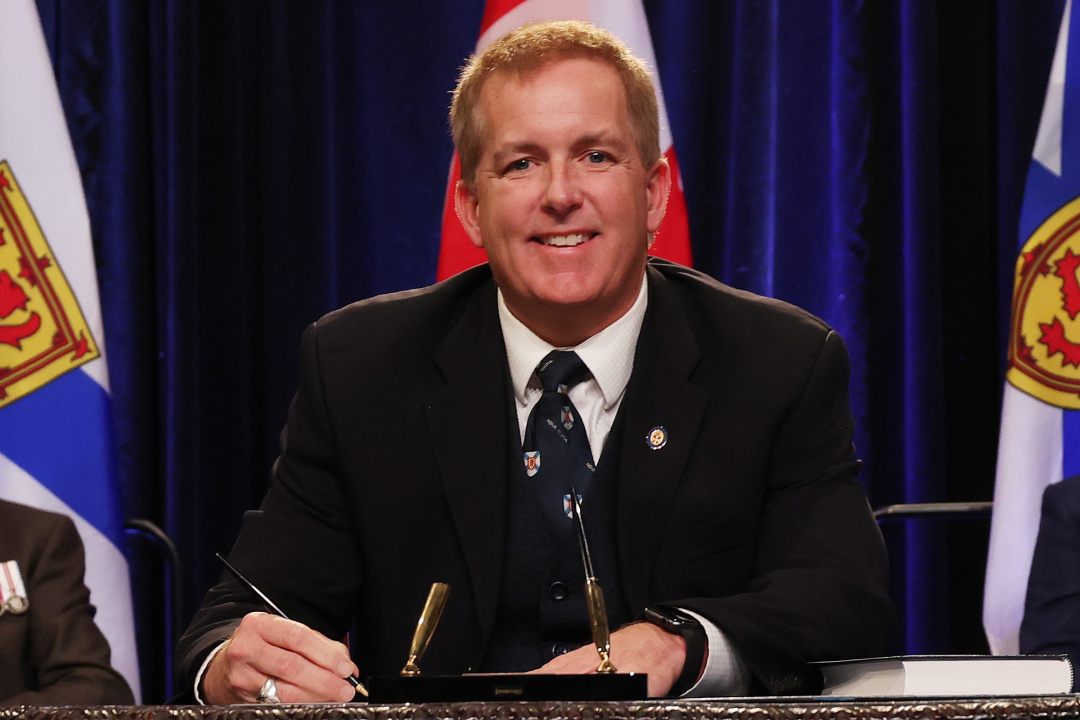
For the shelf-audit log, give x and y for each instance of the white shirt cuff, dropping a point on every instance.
(726, 674)
(202, 671)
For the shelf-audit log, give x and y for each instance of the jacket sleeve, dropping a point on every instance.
(67, 655)
(1051, 622)
(818, 584)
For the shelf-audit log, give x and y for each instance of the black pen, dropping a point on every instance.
(352, 679)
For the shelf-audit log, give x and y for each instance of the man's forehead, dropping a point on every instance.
(502, 115)
(527, 74)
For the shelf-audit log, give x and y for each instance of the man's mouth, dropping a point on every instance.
(564, 240)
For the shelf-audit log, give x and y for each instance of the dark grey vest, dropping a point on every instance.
(542, 610)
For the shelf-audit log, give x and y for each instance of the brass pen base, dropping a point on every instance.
(506, 687)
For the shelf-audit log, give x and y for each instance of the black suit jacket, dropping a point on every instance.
(1051, 624)
(53, 654)
(394, 467)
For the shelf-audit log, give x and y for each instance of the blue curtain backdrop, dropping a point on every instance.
(251, 165)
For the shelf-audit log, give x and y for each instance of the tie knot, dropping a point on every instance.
(561, 368)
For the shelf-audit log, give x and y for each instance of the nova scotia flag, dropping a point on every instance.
(56, 448)
(1040, 424)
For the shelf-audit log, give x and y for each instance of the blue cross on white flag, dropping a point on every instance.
(56, 448)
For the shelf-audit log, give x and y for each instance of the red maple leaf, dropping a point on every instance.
(12, 296)
(1070, 287)
(1053, 337)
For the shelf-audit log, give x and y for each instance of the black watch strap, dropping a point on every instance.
(678, 622)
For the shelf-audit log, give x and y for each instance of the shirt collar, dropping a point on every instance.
(609, 354)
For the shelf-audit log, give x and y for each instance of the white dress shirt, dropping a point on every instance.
(609, 355)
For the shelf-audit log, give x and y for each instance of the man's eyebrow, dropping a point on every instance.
(601, 138)
(516, 148)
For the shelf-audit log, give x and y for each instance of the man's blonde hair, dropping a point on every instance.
(530, 48)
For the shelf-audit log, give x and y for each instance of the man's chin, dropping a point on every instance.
(567, 301)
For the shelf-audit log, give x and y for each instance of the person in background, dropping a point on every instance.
(1051, 624)
(51, 652)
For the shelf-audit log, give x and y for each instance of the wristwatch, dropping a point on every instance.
(678, 622)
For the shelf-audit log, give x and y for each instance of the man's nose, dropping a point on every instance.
(563, 192)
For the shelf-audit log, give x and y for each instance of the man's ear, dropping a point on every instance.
(467, 205)
(657, 187)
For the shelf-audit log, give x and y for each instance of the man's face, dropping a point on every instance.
(561, 202)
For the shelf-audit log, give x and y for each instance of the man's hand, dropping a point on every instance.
(641, 647)
(306, 665)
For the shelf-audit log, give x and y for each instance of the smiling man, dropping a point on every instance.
(561, 197)
(441, 435)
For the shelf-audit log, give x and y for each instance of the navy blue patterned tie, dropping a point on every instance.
(556, 447)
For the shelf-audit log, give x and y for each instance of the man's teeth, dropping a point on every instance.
(564, 240)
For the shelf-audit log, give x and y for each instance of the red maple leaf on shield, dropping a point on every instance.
(1053, 337)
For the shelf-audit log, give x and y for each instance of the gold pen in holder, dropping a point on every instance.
(425, 626)
(594, 596)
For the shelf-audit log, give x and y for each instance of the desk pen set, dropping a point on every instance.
(411, 685)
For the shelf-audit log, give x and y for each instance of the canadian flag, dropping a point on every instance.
(625, 18)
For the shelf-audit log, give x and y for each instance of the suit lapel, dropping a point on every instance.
(467, 422)
(659, 395)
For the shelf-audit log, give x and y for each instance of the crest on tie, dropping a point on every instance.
(567, 417)
(532, 462)
(566, 507)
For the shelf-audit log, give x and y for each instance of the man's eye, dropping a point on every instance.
(596, 157)
(520, 165)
